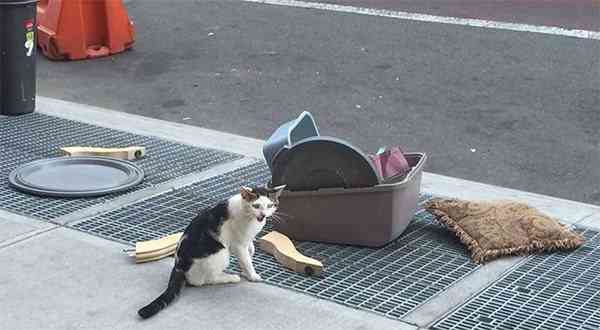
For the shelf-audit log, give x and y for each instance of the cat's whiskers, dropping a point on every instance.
(282, 215)
(277, 219)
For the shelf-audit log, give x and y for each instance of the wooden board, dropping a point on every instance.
(155, 258)
(128, 153)
(282, 248)
(156, 249)
(156, 255)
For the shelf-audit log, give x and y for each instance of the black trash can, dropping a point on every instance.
(18, 42)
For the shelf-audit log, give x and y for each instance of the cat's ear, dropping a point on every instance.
(276, 192)
(248, 194)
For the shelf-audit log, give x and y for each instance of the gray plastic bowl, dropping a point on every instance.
(289, 133)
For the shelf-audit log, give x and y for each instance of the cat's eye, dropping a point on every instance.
(270, 205)
(256, 206)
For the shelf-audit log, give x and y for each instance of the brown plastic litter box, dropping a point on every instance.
(371, 216)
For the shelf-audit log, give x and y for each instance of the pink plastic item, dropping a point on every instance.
(390, 163)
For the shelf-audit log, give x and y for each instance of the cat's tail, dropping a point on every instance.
(176, 283)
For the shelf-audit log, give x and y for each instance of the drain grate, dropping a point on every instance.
(392, 280)
(559, 291)
(35, 136)
(172, 211)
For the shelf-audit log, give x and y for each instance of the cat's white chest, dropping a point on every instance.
(239, 231)
(243, 223)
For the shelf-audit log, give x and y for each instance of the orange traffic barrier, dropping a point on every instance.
(80, 29)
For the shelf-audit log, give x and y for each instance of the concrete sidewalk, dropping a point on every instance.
(64, 279)
(56, 278)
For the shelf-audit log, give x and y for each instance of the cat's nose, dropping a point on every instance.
(260, 217)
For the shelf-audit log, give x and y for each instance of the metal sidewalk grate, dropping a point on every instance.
(172, 211)
(558, 291)
(392, 280)
(35, 136)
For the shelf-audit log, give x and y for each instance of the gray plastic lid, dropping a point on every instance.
(287, 134)
(76, 176)
(323, 162)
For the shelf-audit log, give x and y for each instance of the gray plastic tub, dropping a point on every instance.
(371, 216)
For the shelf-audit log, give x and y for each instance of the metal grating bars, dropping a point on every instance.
(172, 211)
(558, 291)
(392, 280)
(35, 136)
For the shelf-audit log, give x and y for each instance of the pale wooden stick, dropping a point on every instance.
(128, 153)
(156, 249)
(155, 258)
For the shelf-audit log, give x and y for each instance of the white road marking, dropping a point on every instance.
(551, 30)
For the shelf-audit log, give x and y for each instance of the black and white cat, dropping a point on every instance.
(203, 251)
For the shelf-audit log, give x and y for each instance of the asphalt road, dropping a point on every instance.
(514, 109)
(570, 14)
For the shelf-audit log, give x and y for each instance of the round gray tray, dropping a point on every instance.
(84, 176)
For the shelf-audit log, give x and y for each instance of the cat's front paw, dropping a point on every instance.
(253, 277)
